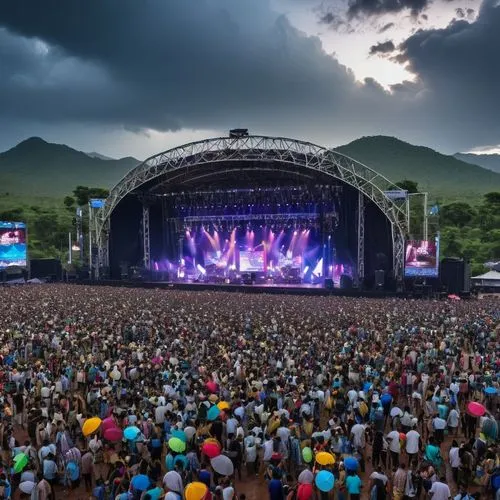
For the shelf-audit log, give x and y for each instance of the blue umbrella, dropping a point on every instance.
(140, 482)
(350, 463)
(213, 413)
(367, 386)
(131, 433)
(179, 434)
(324, 480)
(386, 398)
(181, 459)
(490, 390)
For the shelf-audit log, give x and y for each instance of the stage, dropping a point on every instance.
(304, 289)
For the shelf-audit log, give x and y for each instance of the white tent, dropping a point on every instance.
(489, 279)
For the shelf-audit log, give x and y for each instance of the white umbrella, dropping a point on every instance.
(27, 487)
(222, 465)
(190, 432)
(306, 477)
(396, 412)
(173, 481)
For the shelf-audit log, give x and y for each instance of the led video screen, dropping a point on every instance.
(422, 258)
(251, 261)
(13, 246)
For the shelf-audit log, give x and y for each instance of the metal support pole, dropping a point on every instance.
(145, 237)
(426, 217)
(70, 249)
(91, 263)
(361, 238)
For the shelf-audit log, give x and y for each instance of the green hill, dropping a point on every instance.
(35, 168)
(443, 176)
(491, 162)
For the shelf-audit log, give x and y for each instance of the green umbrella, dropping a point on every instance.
(20, 462)
(177, 445)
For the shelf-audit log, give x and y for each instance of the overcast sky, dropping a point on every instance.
(135, 77)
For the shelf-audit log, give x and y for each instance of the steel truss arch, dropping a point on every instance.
(283, 152)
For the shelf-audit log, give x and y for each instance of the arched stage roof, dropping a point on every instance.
(229, 155)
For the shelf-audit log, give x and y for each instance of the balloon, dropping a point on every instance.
(27, 487)
(213, 413)
(223, 405)
(222, 465)
(195, 491)
(325, 458)
(20, 462)
(140, 482)
(179, 435)
(324, 480)
(91, 425)
(175, 444)
(476, 409)
(490, 390)
(131, 433)
(307, 454)
(351, 464)
(113, 434)
(211, 450)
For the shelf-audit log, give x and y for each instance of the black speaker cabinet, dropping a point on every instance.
(46, 268)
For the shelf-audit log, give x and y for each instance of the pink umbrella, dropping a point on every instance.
(211, 386)
(476, 409)
(113, 434)
(211, 450)
(107, 423)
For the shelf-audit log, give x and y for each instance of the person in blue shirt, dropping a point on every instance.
(353, 485)
(275, 487)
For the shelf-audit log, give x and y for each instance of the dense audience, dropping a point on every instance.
(116, 393)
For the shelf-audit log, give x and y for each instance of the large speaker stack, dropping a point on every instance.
(46, 269)
(455, 275)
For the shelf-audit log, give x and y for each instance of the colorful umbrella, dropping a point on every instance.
(107, 423)
(195, 491)
(175, 444)
(223, 405)
(131, 433)
(213, 413)
(20, 462)
(476, 409)
(91, 425)
(307, 454)
(325, 480)
(211, 450)
(325, 458)
(351, 464)
(306, 477)
(172, 480)
(180, 435)
(222, 465)
(27, 487)
(113, 434)
(140, 482)
(189, 432)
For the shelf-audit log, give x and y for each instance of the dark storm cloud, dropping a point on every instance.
(459, 68)
(216, 64)
(200, 64)
(358, 8)
(382, 48)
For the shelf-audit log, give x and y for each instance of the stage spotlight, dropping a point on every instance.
(201, 269)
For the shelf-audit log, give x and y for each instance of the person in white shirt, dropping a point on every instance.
(440, 490)
(439, 425)
(412, 445)
(453, 421)
(394, 447)
(454, 458)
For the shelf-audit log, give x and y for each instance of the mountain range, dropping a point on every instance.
(36, 168)
(489, 161)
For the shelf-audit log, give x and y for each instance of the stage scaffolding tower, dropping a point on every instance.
(360, 271)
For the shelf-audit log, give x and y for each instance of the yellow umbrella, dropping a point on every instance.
(325, 458)
(91, 425)
(223, 405)
(195, 491)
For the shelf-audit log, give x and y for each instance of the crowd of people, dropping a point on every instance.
(122, 393)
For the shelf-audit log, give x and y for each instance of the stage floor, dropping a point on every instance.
(303, 289)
